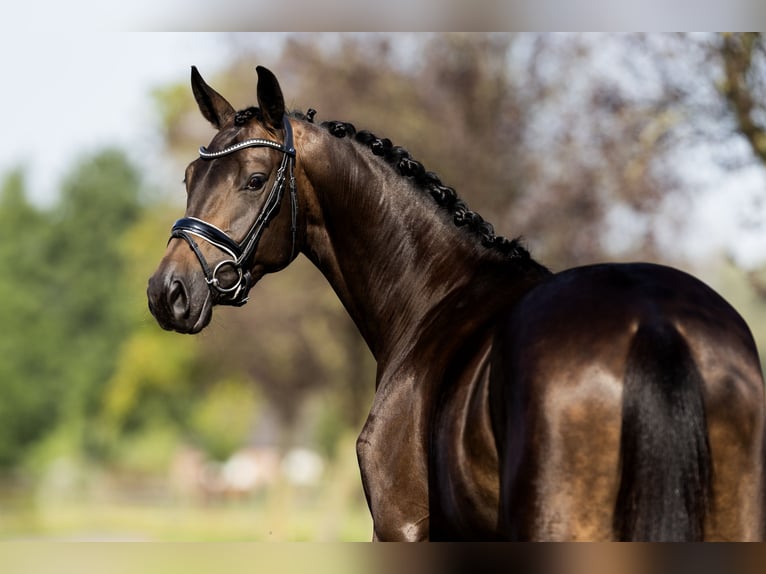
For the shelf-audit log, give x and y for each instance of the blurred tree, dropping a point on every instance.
(99, 202)
(223, 421)
(526, 127)
(30, 386)
(744, 87)
(63, 306)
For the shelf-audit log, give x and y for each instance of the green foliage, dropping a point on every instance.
(152, 374)
(63, 313)
(147, 451)
(31, 389)
(222, 422)
(330, 428)
(171, 102)
(100, 201)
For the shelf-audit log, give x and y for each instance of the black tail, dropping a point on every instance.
(665, 461)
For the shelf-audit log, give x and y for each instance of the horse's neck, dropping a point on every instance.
(390, 253)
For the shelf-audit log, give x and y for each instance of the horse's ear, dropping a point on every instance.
(270, 98)
(213, 105)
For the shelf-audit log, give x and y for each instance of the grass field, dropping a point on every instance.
(116, 510)
(269, 520)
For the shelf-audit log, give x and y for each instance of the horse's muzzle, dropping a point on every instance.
(176, 304)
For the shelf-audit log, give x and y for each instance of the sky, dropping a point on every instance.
(72, 93)
(77, 92)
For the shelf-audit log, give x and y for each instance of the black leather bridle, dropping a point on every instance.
(242, 253)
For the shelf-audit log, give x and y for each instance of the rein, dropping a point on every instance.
(242, 253)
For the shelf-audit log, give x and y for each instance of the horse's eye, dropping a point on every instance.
(256, 181)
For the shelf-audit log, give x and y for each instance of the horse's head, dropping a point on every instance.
(233, 231)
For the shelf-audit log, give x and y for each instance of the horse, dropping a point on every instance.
(615, 401)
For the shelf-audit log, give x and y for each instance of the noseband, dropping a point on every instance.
(242, 253)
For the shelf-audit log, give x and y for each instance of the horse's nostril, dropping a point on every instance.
(178, 300)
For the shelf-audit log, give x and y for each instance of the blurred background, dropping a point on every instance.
(592, 147)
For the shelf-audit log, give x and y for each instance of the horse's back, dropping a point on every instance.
(560, 361)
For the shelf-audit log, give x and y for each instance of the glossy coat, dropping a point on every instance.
(600, 403)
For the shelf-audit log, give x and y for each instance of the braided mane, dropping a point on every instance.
(399, 158)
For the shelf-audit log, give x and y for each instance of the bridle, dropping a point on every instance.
(242, 253)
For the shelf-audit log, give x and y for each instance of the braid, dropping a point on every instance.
(339, 129)
(445, 196)
(308, 116)
(244, 116)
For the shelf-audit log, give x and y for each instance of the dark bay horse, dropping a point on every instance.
(608, 402)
